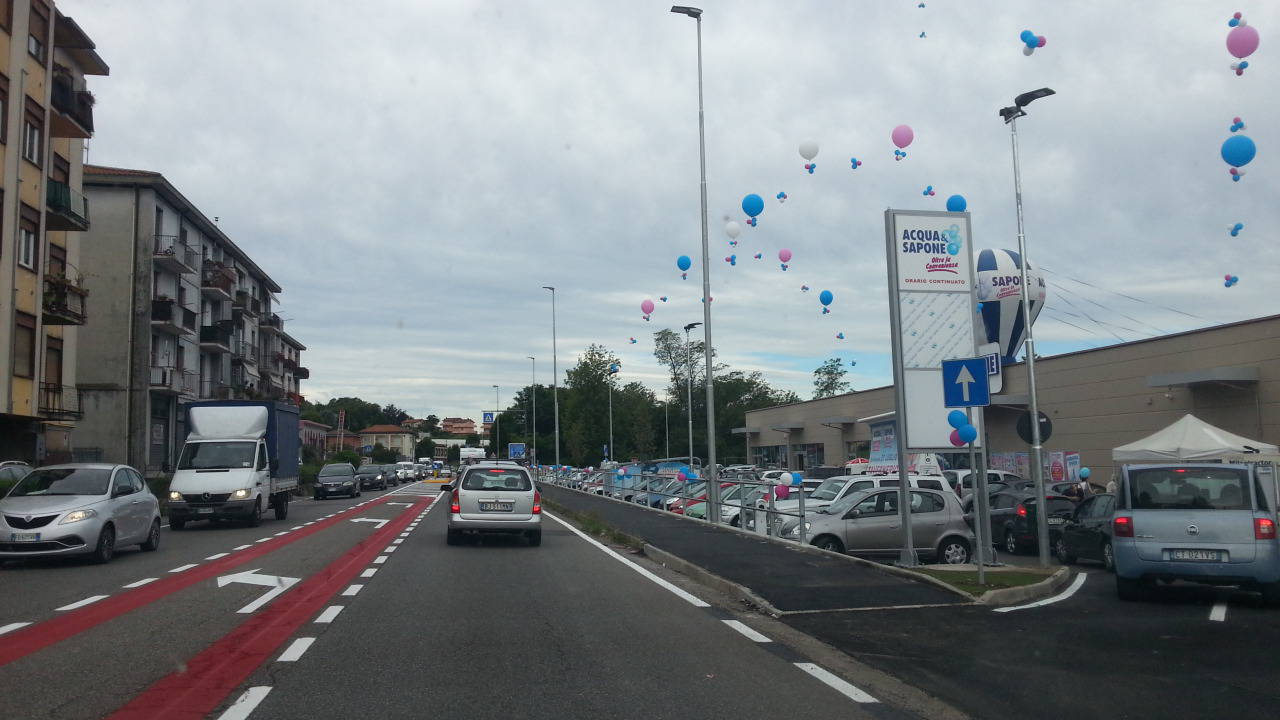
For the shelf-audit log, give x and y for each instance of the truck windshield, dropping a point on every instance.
(217, 455)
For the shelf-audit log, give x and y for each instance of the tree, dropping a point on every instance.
(430, 425)
(425, 449)
(473, 440)
(383, 455)
(393, 415)
(829, 380)
(453, 455)
(345, 456)
(586, 405)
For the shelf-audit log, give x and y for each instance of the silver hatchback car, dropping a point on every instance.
(76, 509)
(494, 498)
(867, 524)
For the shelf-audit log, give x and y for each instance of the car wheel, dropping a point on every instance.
(954, 551)
(153, 538)
(453, 537)
(255, 515)
(1011, 543)
(1060, 550)
(281, 506)
(106, 547)
(177, 524)
(1108, 557)
(1129, 589)
(535, 538)
(828, 542)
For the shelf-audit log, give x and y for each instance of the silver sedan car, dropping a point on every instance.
(492, 498)
(867, 524)
(79, 508)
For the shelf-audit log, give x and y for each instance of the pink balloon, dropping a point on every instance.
(784, 255)
(781, 492)
(646, 307)
(1040, 41)
(903, 135)
(955, 438)
(1242, 41)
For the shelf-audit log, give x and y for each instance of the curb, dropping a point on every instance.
(1016, 595)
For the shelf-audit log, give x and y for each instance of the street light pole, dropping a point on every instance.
(1011, 115)
(533, 409)
(612, 371)
(713, 487)
(497, 429)
(555, 372)
(689, 352)
(666, 424)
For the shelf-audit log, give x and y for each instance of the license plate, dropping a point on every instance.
(495, 507)
(1057, 521)
(204, 511)
(24, 537)
(1196, 555)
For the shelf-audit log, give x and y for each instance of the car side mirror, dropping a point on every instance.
(446, 487)
(853, 514)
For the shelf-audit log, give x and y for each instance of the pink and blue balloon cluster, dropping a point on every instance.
(964, 432)
(1229, 280)
(1031, 41)
(1242, 40)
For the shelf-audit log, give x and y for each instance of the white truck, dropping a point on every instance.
(240, 458)
(470, 456)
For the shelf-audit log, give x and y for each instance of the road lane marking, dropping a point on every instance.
(329, 614)
(390, 548)
(404, 535)
(397, 541)
(219, 555)
(241, 709)
(81, 603)
(352, 590)
(282, 532)
(378, 522)
(241, 547)
(369, 572)
(262, 540)
(1219, 612)
(678, 592)
(838, 684)
(1071, 590)
(140, 583)
(380, 559)
(295, 650)
(313, 522)
(12, 626)
(299, 527)
(184, 568)
(751, 634)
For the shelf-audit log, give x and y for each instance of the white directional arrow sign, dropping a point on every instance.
(277, 583)
(380, 523)
(399, 503)
(965, 379)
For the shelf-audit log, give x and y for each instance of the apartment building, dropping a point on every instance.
(391, 437)
(458, 426)
(46, 113)
(186, 314)
(312, 434)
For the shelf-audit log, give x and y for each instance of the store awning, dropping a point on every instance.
(1230, 376)
(838, 420)
(877, 418)
(745, 431)
(789, 427)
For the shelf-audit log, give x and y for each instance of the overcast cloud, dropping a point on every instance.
(412, 172)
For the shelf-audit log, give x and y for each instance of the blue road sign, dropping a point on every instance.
(488, 418)
(515, 451)
(366, 449)
(965, 383)
(993, 363)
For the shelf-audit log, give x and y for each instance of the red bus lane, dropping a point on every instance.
(21, 643)
(219, 669)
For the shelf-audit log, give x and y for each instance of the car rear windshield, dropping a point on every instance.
(332, 470)
(369, 470)
(497, 479)
(1178, 488)
(63, 481)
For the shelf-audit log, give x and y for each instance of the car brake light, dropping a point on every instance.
(1264, 529)
(537, 503)
(453, 502)
(1022, 510)
(1122, 526)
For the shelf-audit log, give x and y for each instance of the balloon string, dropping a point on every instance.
(1090, 300)
(1102, 324)
(1135, 299)
(1051, 315)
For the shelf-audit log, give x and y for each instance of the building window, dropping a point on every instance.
(24, 345)
(4, 100)
(39, 30)
(33, 132)
(28, 234)
(159, 221)
(53, 361)
(57, 266)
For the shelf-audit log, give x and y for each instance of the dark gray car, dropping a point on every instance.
(337, 479)
(372, 476)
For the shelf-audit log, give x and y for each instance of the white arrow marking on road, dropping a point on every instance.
(396, 503)
(963, 378)
(277, 583)
(372, 520)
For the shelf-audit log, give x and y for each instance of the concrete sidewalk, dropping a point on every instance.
(789, 578)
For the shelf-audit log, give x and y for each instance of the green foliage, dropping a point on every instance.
(310, 455)
(454, 456)
(473, 440)
(360, 413)
(307, 473)
(430, 426)
(828, 379)
(425, 448)
(347, 456)
(383, 456)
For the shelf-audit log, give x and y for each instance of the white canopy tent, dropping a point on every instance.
(1189, 440)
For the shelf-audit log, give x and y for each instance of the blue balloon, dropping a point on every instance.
(753, 205)
(968, 433)
(956, 203)
(957, 419)
(1028, 37)
(826, 297)
(1085, 473)
(1238, 150)
(684, 263)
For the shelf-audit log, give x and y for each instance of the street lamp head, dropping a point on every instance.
(548, 287)
(692, 12)
(1015, 111)
(691, 326)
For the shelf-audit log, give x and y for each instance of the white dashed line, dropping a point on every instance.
(183, 568)
(87, 601)
(397, 541)
(240, 547)
(839, 685)
(390, 548)
(329, 614)
(404, 535)
(295, 650)
(246, 704)
(140, 583)
(751, 634)
(351, 591)
(1071, 590)
(313, 522)
(368, 573)
(296, 528)
(1219, 612)
(282, 532)
(219, 555)
(380, 559)
(12, 626)
(262, 540)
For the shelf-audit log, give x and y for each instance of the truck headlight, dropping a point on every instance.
(175, 496)
(240, 494)
(78, 515)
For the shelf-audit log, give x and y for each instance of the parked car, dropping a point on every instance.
(390, 472)
(78, 508)
(1087, 533)
(690, 491)
(649, 485)
(1211, 524)
(492, 498)
(962, 480)
(844, 487)
(1020, 530)
(371, 476)
(867, 524)
(336, 479)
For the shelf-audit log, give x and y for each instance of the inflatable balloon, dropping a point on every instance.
(967, 433)
(854, 163)
(957, 419)
(684, 263)
(633, 341)
(758, 256)
(902, 136)
(751, 222)
(825, 297)
(839, 336)
(811, 167)
(732, 229)
(753, 205)
(898, 155)
(804, 288)
(782, 492)
(1235, 229)
(784, 255)
(784, 267)
(955, 438)
(796, 478)
(999, 292)
(928, 191)
(1243, 39)
(922, 32)
(956, 203)
(782, 197)
(1238, 150)
(663, 298)
(1031, 41)
(614, 368)
(809, 148)
(646, 307)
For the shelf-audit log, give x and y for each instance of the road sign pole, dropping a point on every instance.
(978, 529)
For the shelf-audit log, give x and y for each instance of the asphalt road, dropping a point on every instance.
(327, 614)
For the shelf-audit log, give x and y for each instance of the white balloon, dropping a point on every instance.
(809, 149)
(1027, 50)
(732, 229)
(1242, 22)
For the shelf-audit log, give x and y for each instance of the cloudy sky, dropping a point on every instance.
(414, 172)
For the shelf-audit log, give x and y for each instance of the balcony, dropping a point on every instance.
(166, 380)
(302, 373)
(173, 255)
(73, 110)
(246, 304)
(272, 323)
(63, 301)
(59, 402)
(168, 316)
(214, 390)
(216, 280)
(245, 352)
(216, 338)
(67, 209)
